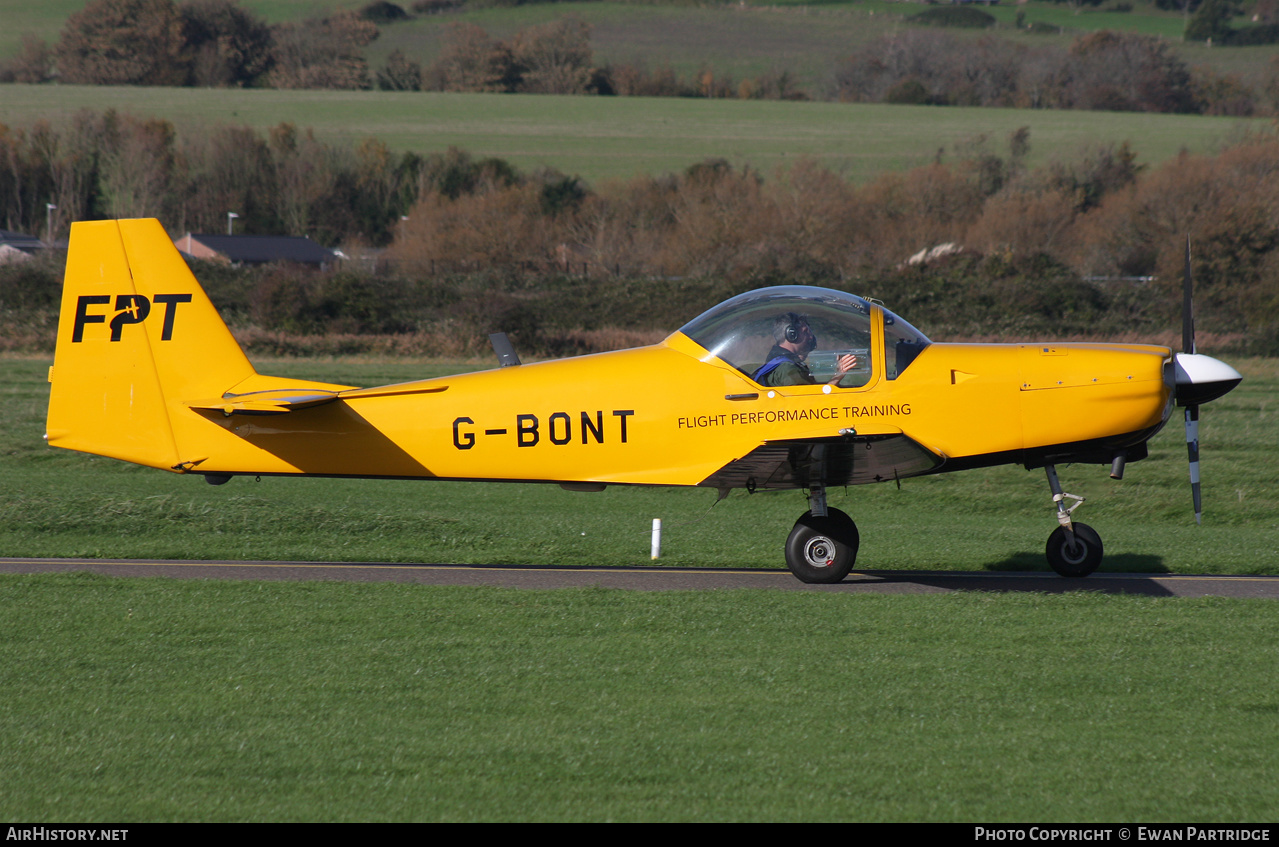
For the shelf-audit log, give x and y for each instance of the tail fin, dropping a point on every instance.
(136, 336)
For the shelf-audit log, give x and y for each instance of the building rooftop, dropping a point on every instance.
(259, 249)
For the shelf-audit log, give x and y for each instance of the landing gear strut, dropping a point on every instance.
(1074, 549)
(822, 547)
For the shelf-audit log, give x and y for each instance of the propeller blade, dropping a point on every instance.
(1198, 379)
(1192, 406)
(1187, 307)
(1192, 449)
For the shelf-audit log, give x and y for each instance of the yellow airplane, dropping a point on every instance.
(147, 372)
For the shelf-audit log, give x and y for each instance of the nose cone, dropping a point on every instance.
(1200, 378)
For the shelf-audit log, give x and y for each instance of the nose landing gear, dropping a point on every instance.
(1074, 549)
(1074, 553)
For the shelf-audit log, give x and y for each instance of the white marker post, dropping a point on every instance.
(657, 538)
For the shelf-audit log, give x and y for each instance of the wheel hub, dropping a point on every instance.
(1074, 551)
(820, 552)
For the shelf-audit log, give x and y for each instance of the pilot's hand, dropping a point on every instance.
(843, 365)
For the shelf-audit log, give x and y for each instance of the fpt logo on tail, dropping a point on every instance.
(128, 309)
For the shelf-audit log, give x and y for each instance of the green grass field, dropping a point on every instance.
(157, 700)
(151, 699)
(600, 138)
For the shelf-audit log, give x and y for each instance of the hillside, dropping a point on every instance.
(738, 40)
(600, 138)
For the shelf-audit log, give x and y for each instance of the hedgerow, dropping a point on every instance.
(978, 246)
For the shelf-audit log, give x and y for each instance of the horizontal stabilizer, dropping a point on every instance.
(394, 390)
(281, 401)
(265, 402)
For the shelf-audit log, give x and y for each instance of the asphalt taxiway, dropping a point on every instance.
(662, 578)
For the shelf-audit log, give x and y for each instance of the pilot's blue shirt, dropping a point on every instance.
(783, 367)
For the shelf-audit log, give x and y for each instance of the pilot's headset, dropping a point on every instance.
(788, 327)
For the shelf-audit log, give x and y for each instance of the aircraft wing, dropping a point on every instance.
(827, 461)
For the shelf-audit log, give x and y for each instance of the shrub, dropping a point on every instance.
(1222, 95)
(638, 81)
(124, 42)
(33, 64)
(30, 285)
(400, 74)
(230, 46)
(436, 7)
(1252, 35)
(909, 91)
(561, 194)
(382, 12)
(954, 16)
(1211, 21)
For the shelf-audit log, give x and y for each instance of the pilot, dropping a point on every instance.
(794, 340)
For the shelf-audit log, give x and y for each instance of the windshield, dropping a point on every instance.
(746, 330)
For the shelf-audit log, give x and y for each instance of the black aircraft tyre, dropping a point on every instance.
(1074, 557)
(822, 550)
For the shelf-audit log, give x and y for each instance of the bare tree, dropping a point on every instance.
(555, 57)
(322, 53)
(303, 176)
(137, 169)
(227, 169)
(1127, 71)
(473, 61)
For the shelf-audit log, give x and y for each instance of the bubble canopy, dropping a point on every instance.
(740, 330)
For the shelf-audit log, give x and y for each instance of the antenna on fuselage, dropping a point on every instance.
(505, 350)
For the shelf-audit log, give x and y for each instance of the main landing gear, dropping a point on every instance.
(822, 547)
(1074, 549)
